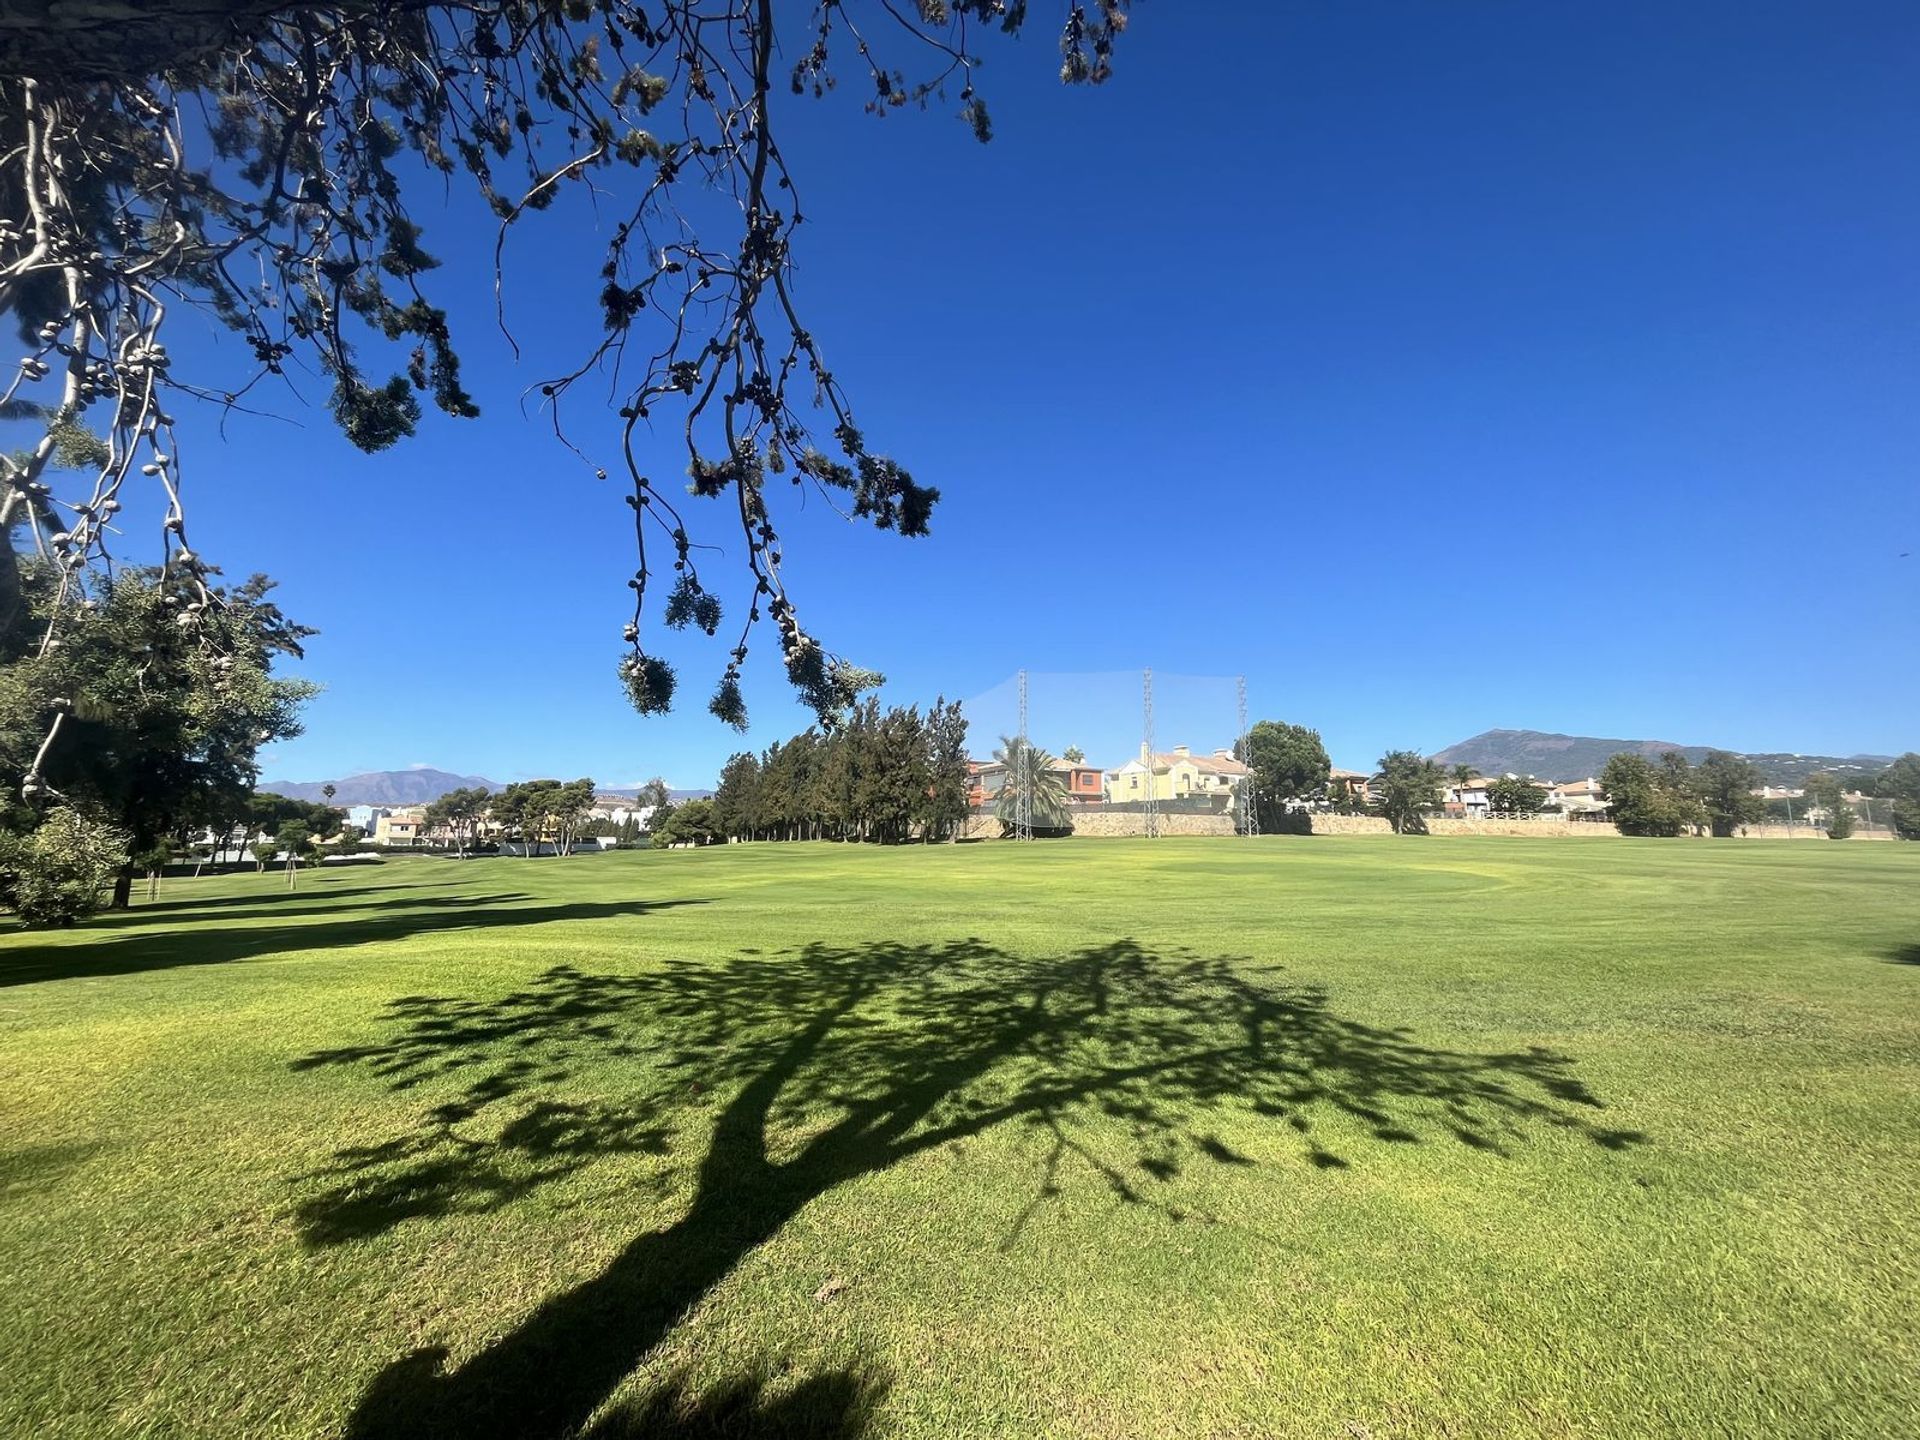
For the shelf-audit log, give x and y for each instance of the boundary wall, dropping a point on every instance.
(1103, 824)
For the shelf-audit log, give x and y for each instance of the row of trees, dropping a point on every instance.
(538, 811)
(556, 812)
(1665, 798)
(884, 775)
(1717, 796)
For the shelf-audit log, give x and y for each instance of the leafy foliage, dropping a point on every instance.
(688, 824)
(1289, 764)
(540, 812)
(59, 872)
(1725, 783)
(1900, 780)
(295, 840)
(1900, 783)
(1512, 795)
(1409, 787)
(458, 815)
(1648, 799)
(1028, 767)
(887, 776)
(162, 700)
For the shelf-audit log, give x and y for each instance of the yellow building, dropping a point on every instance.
(400, 827)
(1176, 775)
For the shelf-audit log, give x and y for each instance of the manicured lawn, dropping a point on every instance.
(1328, 1137)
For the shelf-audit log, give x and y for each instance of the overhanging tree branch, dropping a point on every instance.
(115, 208)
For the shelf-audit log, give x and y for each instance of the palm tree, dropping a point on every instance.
(1028, 766)
(1462, 776)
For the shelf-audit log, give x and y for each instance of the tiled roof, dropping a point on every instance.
(1205, 764)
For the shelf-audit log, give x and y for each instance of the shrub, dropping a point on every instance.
(54, 875)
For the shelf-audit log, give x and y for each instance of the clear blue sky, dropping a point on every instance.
(1437, 364)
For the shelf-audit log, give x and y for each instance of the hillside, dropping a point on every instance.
(1575, 757)
(381, 787)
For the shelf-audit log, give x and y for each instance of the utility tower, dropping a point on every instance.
(1152, 817)
(1023, 776)
(1249, 811)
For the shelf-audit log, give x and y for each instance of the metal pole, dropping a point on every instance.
(1023, 797)
(1152, 818)
(1249, 805)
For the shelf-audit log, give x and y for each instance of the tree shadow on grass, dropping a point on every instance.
(829, 1063)
(836, 1405)
(1905, 954)
(313, 889)
(115, 947)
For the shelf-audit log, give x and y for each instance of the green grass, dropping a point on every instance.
(1337, 1137)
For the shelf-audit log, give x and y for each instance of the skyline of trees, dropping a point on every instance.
(886, 776)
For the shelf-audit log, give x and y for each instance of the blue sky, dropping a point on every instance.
(1437, 366)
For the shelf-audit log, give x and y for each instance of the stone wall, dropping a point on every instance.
(1555, 829)
(1350, 825)
(1109, 823)
(1374, 825)
(1548, 829)
(1804, 832)
(1097, 824)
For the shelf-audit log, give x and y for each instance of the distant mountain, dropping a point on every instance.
(1575, 757)
(416, 787)
(674, 796)
(1794, 769)
(381, 787)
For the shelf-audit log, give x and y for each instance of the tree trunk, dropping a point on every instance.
(122, 888)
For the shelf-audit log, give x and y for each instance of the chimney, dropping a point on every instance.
(1181, 751)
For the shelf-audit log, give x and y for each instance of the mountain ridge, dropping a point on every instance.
(1547, 755)
(421, 785)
